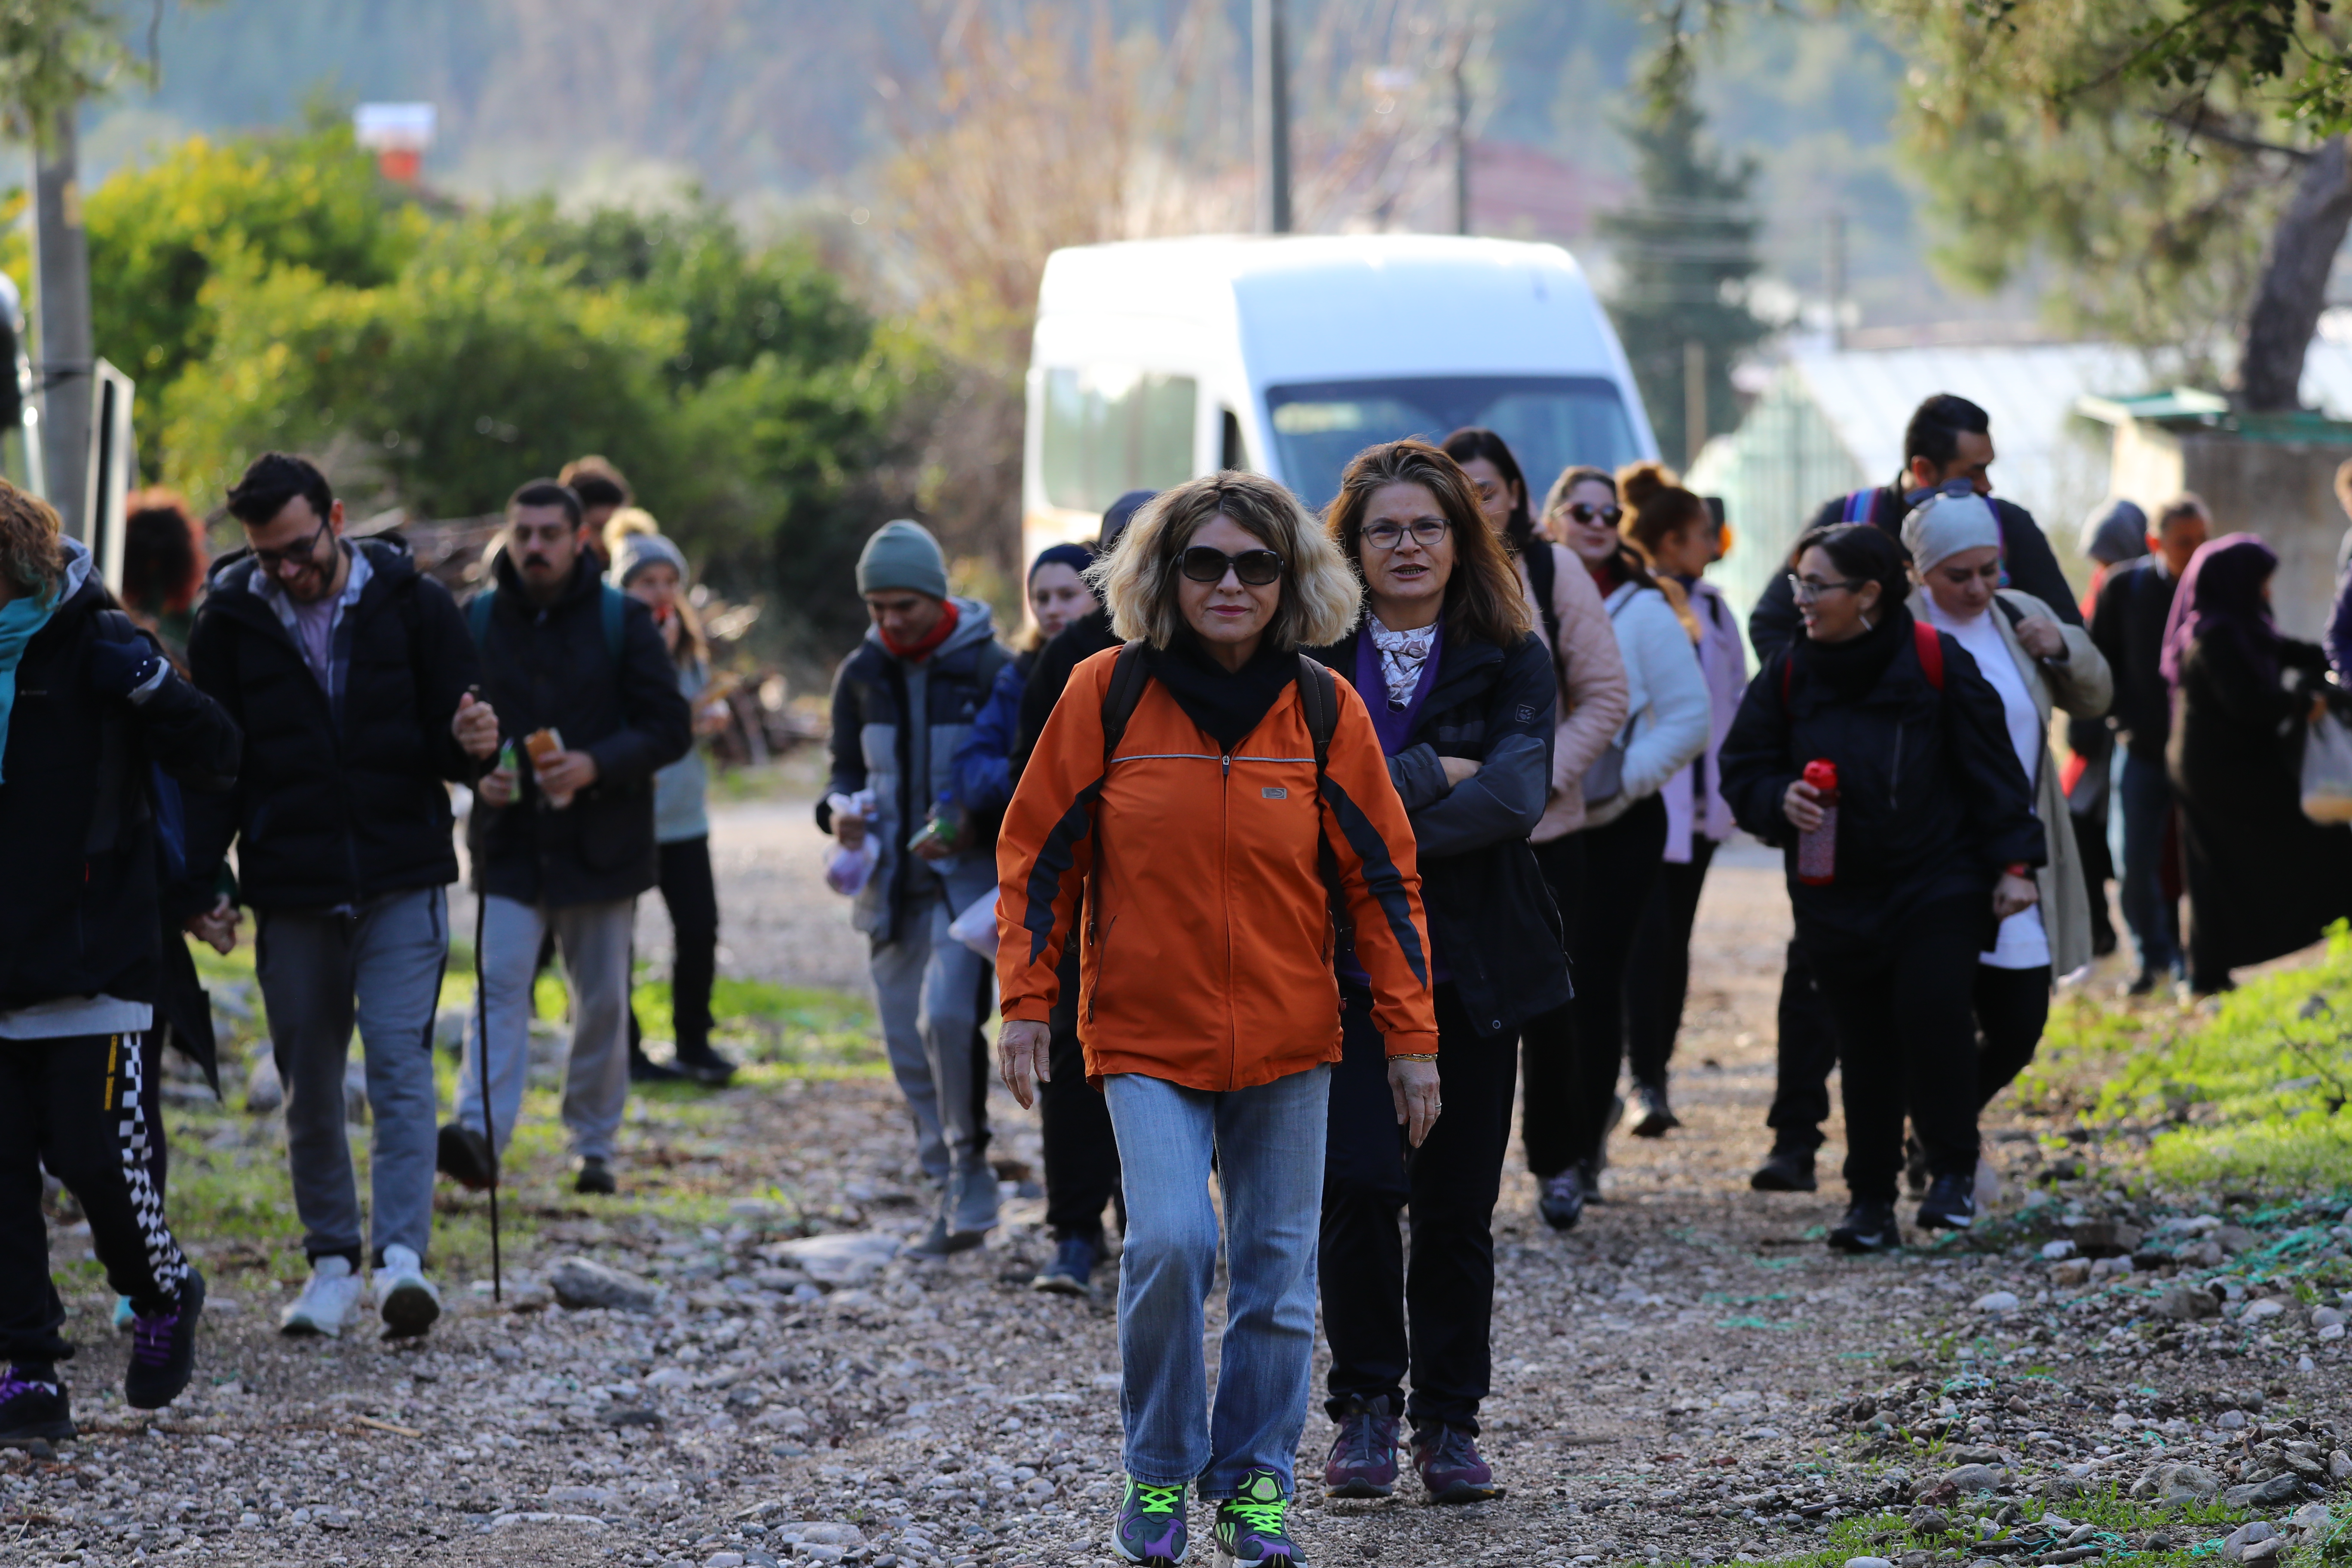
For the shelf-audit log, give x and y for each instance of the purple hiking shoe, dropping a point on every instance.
(1447, 1458)
(1150, 1525)
(33, 1410)
(163, 1348)
(1364, 1461)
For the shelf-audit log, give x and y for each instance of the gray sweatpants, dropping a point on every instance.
(382, 968)
(927, 989)
(595, 942)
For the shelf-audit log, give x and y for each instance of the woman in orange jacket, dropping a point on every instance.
(1210, 797)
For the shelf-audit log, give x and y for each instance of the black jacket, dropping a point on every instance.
(79, 915)
(1774, 622)
(1931, 799)
(1050, 672)
(1491, 919)
(2128, 627)
(335, 803)
(551, 669)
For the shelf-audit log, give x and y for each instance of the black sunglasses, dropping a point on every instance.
(1586, 513)
(306, 552)
(1255, 567)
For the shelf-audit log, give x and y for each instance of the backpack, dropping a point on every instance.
(1543, 577)
(614, 603)
(1923, 639)
(162, 802)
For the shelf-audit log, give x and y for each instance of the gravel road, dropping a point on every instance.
(1687, 1376)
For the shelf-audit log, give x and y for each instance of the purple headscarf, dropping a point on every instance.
(2221, 594)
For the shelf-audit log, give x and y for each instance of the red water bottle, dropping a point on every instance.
(1817, 850)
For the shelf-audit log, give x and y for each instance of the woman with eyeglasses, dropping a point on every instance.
(2036, 663)
(1928, 841)
(1199, 785)
(1565, 608)
(1460, 691)
(1624, 835)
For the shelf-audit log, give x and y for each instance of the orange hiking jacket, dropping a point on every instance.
(1207, 953)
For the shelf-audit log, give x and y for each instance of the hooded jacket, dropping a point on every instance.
(551, 668)
(1591, 676)
(1931, 801)
(1206, 957)
(338, 802)
(895, 727)
(80, 916)
(1492, 918)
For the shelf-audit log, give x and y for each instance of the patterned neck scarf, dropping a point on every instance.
(1402, 656)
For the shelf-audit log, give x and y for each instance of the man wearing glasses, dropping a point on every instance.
(347, 668)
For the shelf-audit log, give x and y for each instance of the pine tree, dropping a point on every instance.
(1684, 254)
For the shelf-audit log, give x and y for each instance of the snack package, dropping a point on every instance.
(545, 746)
(846, 870)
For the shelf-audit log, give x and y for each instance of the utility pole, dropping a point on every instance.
(1834, 268)
(1461, 137)
(1695, 431)
(62, 268)
(1271, 122)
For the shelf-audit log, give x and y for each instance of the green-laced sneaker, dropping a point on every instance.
(1150, 1525)
(1249, 1526)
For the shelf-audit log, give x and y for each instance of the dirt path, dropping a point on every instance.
(1675, 1380)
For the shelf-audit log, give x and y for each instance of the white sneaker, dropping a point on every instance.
(406, 1298)
(325, 1303)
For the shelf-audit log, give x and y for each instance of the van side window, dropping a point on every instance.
(1113, 428)
(1233, 453)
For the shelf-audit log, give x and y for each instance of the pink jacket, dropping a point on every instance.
(1593, 691)
(1723, 659)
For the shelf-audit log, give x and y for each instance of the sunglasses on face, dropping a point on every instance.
(1255, 567)
(1588, 515)
(303, 554)
(1426, 533)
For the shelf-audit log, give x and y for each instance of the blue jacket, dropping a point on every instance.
(980, 775)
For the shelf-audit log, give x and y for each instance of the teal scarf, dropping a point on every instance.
(20, 618)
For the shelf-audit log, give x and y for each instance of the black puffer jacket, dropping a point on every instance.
(551, 668)
(334, 807)
(78, 915)
(1932, 802)
(1491, 919)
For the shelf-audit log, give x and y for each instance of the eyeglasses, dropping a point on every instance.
(306, 552)
(1807, 589)
(1589, 514)
(1255, 567)
(1426, 533)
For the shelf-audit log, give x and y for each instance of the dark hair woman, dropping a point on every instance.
(2264, 878)
(164, 561)
(1624, 832)
(1460, 690)
(1932, 840)
(1678, 536)
(1197, 790)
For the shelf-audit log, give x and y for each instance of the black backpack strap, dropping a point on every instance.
(2016, 616)
(1128, 679)
(1321, 704)
(1543, 577)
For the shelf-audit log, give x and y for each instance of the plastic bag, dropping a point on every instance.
(846, 870)
(2327, 771)
(976, 926)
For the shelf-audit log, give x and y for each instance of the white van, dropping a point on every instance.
(1155, 361)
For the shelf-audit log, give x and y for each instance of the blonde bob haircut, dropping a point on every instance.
(1137, 579)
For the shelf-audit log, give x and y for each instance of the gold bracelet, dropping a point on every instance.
(1428, 1056)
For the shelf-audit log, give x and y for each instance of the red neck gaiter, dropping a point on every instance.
(916, 652)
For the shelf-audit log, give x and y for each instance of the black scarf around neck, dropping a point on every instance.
(1226, 704)
(1852, 668)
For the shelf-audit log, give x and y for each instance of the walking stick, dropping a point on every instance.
(482, 1050)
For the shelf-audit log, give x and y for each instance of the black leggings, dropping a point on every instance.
(1903, 999)
(1547, 1040)
(691, 895)
(1620, 872)
(2011, 1006)
(77, 1105)
(1657, 972)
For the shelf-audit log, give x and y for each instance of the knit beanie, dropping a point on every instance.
(1077, 557)
(1943, 525)
(635, 552)
(2114, 533)
(902, 554)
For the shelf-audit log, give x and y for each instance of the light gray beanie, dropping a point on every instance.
(639, 550)
(1943, 525)
(903, 554)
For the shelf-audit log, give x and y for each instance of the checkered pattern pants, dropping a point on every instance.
(74, 1105)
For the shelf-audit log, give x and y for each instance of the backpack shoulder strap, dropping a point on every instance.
(1321, 704)
(477, 616)
(615, 606)
(1859, 505)
(2015, 617)
(1543, 576)
(1128, 679)
(1931, 652)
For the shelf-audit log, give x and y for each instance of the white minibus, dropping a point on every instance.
(1155, 361)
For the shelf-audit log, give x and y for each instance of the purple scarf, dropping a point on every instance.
(2220, 594)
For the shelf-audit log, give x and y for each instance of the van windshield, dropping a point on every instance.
(1549, 421)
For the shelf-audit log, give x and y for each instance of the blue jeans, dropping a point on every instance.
(1269, 1143)
(2155, 920)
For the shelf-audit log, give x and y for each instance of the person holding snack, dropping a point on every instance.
(562, 829)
